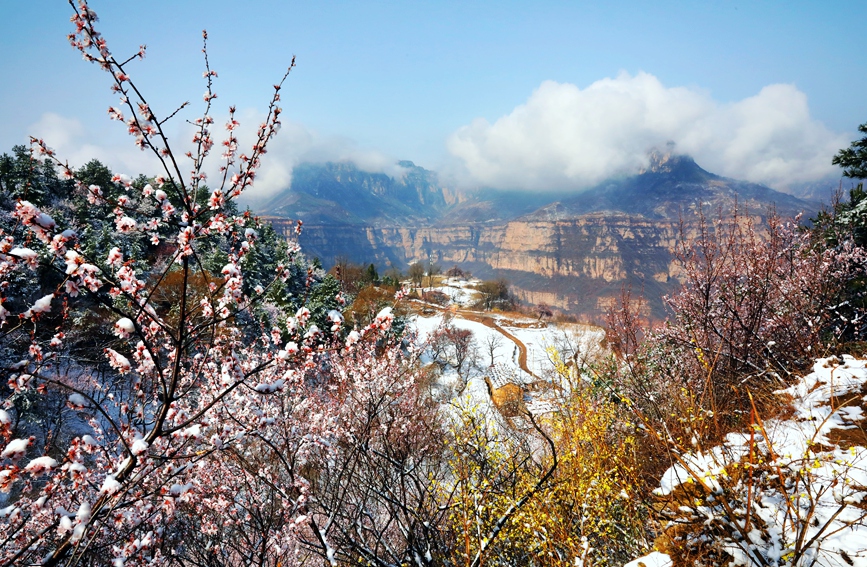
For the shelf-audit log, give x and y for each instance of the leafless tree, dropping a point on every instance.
(491, 343)
(416, 274)
(377, 498)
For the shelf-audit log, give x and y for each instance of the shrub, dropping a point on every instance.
(562, 490)
(436, 297)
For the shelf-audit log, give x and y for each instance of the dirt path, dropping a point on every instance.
(492, 323)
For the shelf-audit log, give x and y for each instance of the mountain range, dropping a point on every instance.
(572, 251)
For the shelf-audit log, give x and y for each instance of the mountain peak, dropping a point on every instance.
(668, 162)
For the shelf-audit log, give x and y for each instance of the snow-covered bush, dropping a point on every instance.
(757, 305)
(741, 484)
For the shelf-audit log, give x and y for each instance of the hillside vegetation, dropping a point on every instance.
(182, 386)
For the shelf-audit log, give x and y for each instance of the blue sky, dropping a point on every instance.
(496, 93)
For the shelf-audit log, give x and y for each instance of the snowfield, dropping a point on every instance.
(565, 339)
(506, 353)
(459, 291)
(476, 392)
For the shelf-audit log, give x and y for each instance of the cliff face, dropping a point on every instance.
(578, 265)
(576, 253)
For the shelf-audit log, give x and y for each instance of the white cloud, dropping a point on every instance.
(565, 137)
(295, 144)
(77, 144)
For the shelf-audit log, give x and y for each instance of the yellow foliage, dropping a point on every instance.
(586, 511)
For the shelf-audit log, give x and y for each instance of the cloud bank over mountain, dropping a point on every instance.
(295, 143)
(562, 138)
(565, 137)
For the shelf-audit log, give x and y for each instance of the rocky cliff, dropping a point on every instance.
(575, 253)
(578, 265)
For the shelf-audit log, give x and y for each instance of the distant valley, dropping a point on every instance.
(574, 252)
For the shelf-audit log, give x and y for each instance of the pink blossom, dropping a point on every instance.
(207, 308)
(384, 319)
(110, 485)
(73, 262)
(35, 351)
(125, 224)
(26, 254)
(352, 338)
(167, 208)
(230, 270)
(115, 257)
(71, 288)
(336, 319)
(124, 327)
(302, 315)
(139, 447)
(31, 216)
(115, 114)
(21, 382)
(94, 194)
(122, 178)
(118, 361)
(76, 401)
(42, 305)
(58, 244)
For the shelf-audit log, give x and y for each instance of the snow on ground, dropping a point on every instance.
(460, 292)
(462, 283)
(492, 346)
(654, 559)
(565, 339)
(792, 438)
(825, 483)
(505, 353)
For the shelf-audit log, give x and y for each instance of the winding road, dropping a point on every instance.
(490, 322)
